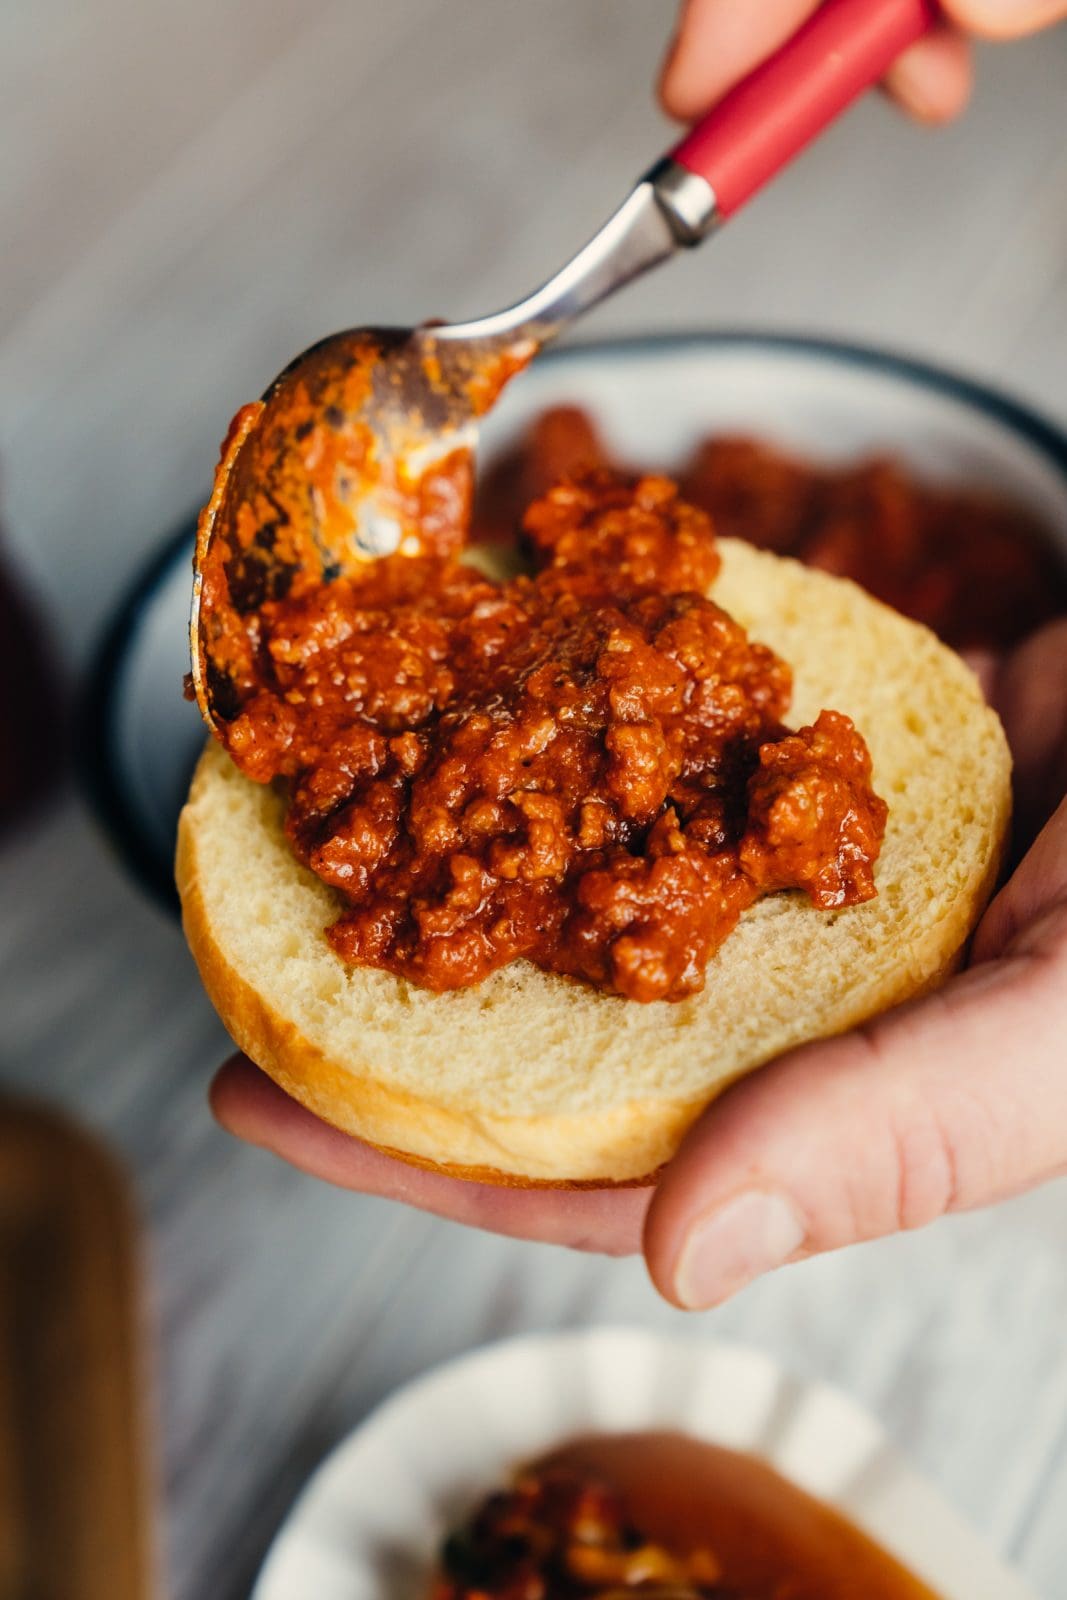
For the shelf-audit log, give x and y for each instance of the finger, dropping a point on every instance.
(1032, 904)
(986, 665)
(716, 43)
(249, 1105)
(933, 80)
(952, 1102)
(1005, 19)
(1030, 694)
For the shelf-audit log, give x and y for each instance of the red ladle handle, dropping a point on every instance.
(771, 115)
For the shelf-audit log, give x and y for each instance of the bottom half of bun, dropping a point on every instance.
(529, 1079)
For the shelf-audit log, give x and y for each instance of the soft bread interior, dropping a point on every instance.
(529, 1077)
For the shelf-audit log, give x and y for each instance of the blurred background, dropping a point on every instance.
(189, 195)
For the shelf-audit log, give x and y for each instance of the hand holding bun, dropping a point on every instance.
(949, 1103)
(529, 1077)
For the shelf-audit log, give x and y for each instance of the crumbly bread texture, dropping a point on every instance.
(530, 1078)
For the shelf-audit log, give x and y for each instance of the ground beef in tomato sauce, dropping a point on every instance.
(976, 568)
(585, 767)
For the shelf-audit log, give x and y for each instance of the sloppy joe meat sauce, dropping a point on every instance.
(586, 767)
(662, 1516)
(976, 569)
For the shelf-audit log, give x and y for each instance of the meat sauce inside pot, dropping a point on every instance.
(976, 569)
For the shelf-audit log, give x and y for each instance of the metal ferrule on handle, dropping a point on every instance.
(776, 111)
(771, 116)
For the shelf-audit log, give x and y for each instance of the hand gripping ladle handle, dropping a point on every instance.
(770, 116)
(764, 121)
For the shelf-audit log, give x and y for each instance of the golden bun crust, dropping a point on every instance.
(530, 1079)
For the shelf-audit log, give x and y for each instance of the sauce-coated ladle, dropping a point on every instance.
(363, 446)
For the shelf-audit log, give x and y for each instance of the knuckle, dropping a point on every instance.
(917, 1179)
(926, 1168)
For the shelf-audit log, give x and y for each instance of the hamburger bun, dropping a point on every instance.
(530, 1078)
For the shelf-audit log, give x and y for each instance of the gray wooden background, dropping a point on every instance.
(188, 194)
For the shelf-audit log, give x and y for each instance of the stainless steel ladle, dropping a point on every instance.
(368, 437)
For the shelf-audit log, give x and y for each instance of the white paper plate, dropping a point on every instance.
(370, 1523)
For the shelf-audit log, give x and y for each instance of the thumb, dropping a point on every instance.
(951, 1102)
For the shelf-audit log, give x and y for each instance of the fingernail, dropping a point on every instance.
(727, 1247)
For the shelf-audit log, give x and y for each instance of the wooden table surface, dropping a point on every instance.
(190, 193)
